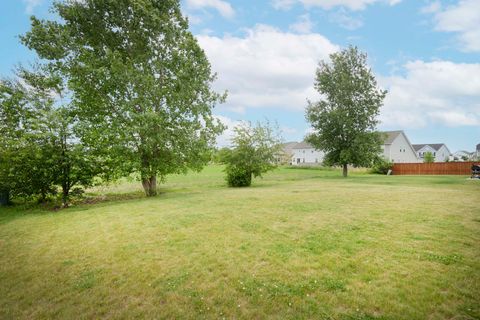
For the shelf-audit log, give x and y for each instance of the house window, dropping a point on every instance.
(303, 160)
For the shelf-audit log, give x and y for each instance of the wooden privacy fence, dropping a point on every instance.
(459, 168)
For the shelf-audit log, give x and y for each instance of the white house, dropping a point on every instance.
(463, 155)
(305, 154)
(439, 151)
(397, 148)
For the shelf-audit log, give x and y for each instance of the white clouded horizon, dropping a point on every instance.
(441, 92)
(267, 68)
(271, 69)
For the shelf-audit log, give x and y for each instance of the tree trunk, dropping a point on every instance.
(345, 170)
(65, 195)
(4, 198)
(150, 185)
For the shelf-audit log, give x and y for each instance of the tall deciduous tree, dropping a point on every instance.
(141, 83)
(345, 120)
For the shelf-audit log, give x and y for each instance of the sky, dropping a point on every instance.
(426, 53)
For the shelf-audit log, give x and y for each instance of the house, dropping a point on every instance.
(286, 153)
(439, 151)
(463, 155)
(477, 152)
(397, 148)
(305, 154)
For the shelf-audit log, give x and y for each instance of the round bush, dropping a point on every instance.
(238, 178)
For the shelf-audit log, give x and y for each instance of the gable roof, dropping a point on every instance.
(434, 146)
(391, 136)
(288, 146)
(303, 145)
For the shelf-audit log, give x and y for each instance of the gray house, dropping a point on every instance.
(439, 151)
(305, 154)
(397, 148)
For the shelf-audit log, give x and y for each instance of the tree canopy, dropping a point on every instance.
(141, 84)
(39, 148)
(344, 120)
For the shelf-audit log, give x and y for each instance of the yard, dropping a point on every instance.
(300, 243)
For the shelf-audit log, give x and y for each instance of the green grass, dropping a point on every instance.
(298, 244)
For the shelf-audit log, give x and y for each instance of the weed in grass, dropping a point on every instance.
(86, 280)
(445, 259)
(331, 284)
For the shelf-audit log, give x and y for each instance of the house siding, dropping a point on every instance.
(307, 156)
(441, 155)
(400, 151)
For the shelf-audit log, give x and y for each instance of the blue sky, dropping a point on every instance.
(426, 53)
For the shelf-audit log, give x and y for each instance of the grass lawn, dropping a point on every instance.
(298, 244)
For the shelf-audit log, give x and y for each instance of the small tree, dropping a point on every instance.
(344, 122)
(381, 166)
(40, 150)
(254, 152)
(428, 157)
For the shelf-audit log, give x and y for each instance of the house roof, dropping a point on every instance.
(435, 146)
(303, 145)
(288, 146)
(391, 136)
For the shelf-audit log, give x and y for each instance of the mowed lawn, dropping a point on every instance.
(298, 244)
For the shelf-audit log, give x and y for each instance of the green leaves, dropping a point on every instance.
(141, 84)
(428, 157)
(345, 120)
(253, 153)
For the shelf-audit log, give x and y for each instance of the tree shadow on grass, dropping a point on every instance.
(20, 210)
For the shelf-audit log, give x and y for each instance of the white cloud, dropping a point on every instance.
(329, 4)
(283, 4)
(462, 18)
(224, 140)
(345, 20)
(303, 25)
(432, 7)
(223, 7)
(30, 5)
(433, 92)
(266, 67)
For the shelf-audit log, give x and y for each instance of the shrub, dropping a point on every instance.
(428, 157)
(381, 166)
(236, 177)
(254, 150)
